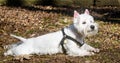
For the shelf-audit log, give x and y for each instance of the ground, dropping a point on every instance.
(34, 21)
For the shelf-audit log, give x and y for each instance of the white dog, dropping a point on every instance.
(69, 40)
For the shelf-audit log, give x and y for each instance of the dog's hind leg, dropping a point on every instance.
(16, 44)
(11, 45)
(9, 52)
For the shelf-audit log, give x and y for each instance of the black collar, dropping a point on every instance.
(70, 38)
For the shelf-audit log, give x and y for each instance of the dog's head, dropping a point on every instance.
(84, 23)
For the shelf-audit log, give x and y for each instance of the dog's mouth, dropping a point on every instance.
(90, 30)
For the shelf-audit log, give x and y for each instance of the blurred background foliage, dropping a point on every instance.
(61, 2)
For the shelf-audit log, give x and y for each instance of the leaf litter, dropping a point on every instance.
(28, 23)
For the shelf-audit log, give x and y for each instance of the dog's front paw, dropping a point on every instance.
(97, 50)
(92, 53)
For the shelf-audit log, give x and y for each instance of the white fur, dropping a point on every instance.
(50, 43)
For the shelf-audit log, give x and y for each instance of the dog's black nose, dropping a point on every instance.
(92, 27)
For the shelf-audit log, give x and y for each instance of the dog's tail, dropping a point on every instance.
(18, 37)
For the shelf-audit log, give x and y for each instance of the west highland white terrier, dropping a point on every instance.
(69, 40)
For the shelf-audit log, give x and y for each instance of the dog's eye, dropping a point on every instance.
(84, 23)
(91, 21)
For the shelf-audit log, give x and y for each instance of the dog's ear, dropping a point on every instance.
(76, 15)
(86, 11)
